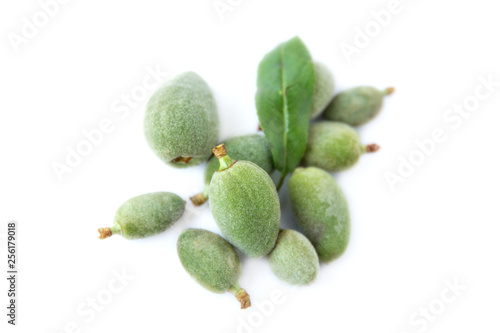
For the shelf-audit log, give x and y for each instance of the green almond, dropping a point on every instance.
(145, 215)
(323, 89)
(294, 259)
(245, 205)
(212, 262)
(321, 210)
(252, 148)
(181, 124)
(334, 146)
(356, 106)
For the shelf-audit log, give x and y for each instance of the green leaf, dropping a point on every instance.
(285, 83)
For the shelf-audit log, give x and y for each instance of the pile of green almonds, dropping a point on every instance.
(181, 126)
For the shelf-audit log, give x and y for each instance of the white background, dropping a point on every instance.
(441, 224)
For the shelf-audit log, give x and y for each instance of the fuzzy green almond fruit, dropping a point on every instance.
(145, 215)
(212, 262)
(253, 148)
(321, 210)
(245, 205)
(323, 89)
(356, 106)
(294, 259)
(181, 124)
(334, 146)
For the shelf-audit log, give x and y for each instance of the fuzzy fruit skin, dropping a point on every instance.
(356, 106)
(332, 146)
(294, 259)
(149, 214)
(321, 210)
(209, 259)
(253, 148)
(245, 205)
(323, 89)
(181, 120)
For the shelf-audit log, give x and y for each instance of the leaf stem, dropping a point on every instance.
(282, 179)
